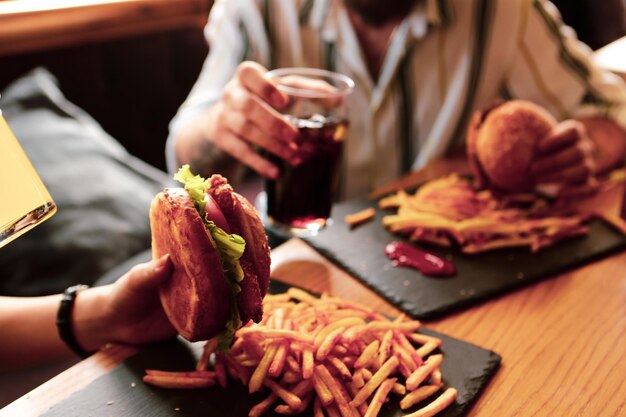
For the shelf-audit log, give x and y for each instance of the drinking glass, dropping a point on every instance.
(24, 200)
(299, 202)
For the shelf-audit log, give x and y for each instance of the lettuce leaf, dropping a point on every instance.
(230, 247)
(195, 186)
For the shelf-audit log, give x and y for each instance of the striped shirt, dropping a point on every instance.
(446, 59)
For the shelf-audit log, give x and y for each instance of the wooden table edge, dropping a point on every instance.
(45, 396)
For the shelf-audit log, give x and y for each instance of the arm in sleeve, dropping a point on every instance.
(552, 68)
(234, 33)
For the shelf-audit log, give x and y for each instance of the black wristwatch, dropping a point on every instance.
(64, 320)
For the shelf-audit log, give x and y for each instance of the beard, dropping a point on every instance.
(378, 12)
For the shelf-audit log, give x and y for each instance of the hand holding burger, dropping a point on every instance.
(564, 155)
(516, 145)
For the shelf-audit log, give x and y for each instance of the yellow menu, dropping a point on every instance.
(24, 199)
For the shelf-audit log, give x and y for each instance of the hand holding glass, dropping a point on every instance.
(300, 200)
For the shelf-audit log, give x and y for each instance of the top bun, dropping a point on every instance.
(244, 220)
(502, 142)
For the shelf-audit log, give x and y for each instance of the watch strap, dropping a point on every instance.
(64, 320)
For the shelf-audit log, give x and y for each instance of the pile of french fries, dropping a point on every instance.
(450, 211)
(342, 358)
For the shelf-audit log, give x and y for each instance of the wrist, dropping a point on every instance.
(89, 322)
(194, 136)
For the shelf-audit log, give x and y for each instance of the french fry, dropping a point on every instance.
(209, 348)
(301, 295)
(402, 340)
(317, 408)
(405, 357)
(379, 397)
(307, 363)
(256, 380)
(407, 326)
(385, 347)
(292, 377)
(239, 370)
(288, 397)
(260, 408)
(366, 373)
(339, 350)
(420, 394)
(327, 344)
(377, 379)
(323, 392)
(360, 217)
(184, 374)
(404, 370)
(398, 389)
(427, 349)
(293, 364)
(357, 380)
(183, 382)
(368, 355)
(422, 339)
(341, 368)
(279, 334)
(338, 391)
(303, 387)
(439, 404)
(343, 323)
(332, 411)
(436, 377)
(354, 389)
(285, 409)
(278, 363)
(433, 362)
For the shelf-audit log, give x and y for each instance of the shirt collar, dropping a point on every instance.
(321, 15)
(438, 12)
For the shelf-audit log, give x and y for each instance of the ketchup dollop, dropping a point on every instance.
(429, 264)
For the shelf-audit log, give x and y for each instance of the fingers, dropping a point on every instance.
(244, 128)
(242, 150)
(562, 135)
(319, 90)
(271, 123)
(581, 190)
(252, 77)
(564, 155)
(247, 119)
(573, 155)
(150, 274)
(575, 174)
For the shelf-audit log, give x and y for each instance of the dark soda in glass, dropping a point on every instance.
(302, 197)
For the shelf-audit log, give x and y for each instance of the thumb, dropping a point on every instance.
(150, 274)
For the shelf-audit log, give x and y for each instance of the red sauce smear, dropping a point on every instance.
(429, 264)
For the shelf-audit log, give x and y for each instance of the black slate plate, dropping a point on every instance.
(360, 252)
(122, 393)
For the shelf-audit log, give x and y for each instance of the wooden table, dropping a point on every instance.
(563, 341)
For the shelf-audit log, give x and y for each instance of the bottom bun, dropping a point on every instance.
(196, 297)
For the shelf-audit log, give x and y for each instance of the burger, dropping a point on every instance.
(220, 254)
(502, 143)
